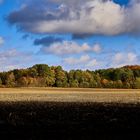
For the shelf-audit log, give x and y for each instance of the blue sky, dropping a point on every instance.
(85, 34)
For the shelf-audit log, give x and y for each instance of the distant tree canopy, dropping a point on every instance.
(41, 75)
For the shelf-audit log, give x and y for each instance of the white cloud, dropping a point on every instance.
(1, 41)
(122, 58)
(95, 17)
(70, 47)
(97, 48)
(89, 62)
(14, 59)
(92, 63)
(74, 61)
(83, 62)
(79, 17)
(66, 47)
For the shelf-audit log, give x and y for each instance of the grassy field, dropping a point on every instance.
(58, 113)
(70, 95)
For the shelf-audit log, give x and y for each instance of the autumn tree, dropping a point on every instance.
(10, 80)
(61, 77)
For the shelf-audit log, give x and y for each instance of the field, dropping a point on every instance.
(58, 113)
(70, 95)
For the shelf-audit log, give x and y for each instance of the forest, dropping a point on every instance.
(42, 75)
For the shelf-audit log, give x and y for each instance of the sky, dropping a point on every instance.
(76, 34)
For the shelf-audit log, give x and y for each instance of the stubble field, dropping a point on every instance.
(70, 95)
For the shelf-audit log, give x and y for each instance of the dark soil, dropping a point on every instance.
(68, 121)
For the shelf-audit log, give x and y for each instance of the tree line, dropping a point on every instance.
(42, 75)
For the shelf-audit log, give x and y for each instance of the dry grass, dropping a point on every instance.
(70, 95)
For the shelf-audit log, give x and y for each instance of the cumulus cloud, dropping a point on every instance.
(70, 47)
(83, 62)
(1, 41)
(93, 63)
(89, 62)
(12, 58)
(66, 47)
(124, 58)
(72, 3)
(97, 48)
(74, 61)
(78, 17)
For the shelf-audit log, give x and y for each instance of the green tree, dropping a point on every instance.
(74, 83)
(41, 69)
(137, 83)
